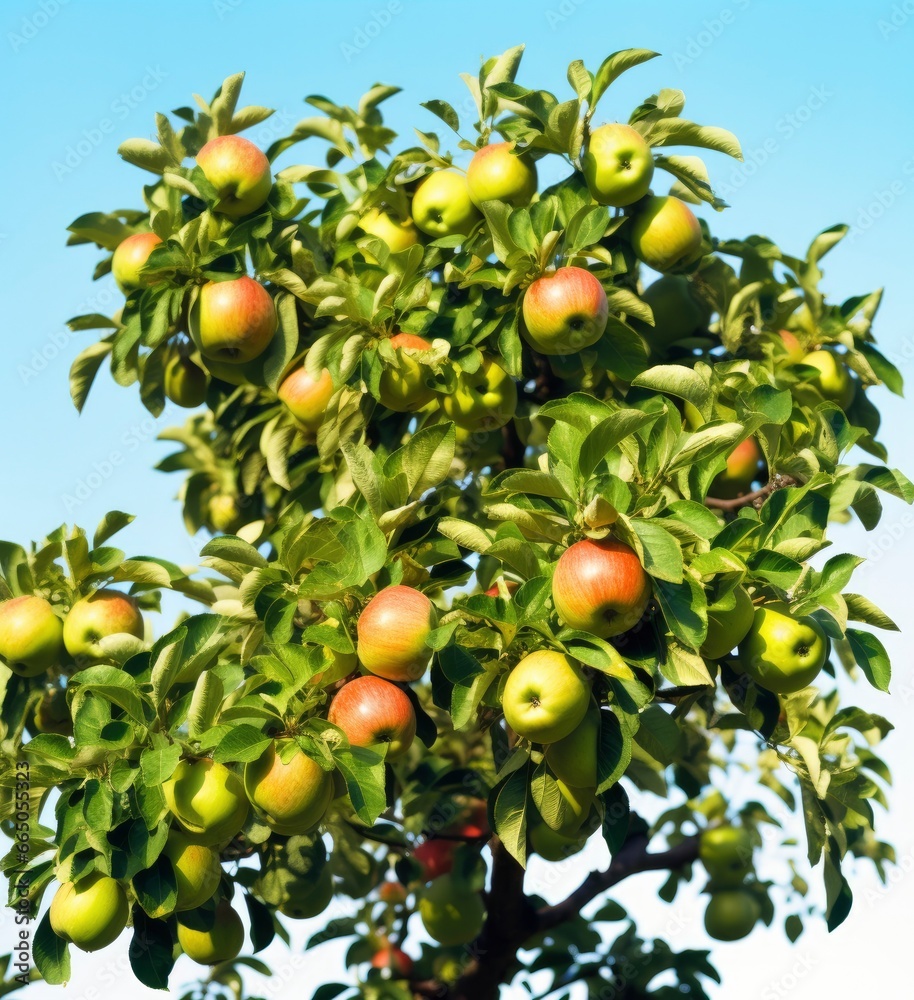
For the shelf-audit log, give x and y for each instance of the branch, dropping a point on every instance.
(754, 499)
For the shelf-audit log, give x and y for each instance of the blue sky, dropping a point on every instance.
(817, 93)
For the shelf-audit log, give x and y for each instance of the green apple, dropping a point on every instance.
(224, 513)
(398, 234)
(306, 898)
(728, 627)
(832, 379)
(574, 758)
(564, 312)
(551, 845)
(726, 853)
(104, 613)
(373, 712)
(31, 635)
(678, 312)
(307, 397)
(130, 257)
(780, 652)
(221, 943)
(484, 400)
(545, 697)
(197, 870)
(238, 171)
(185, 382)
(497, 174)
(442, 205)
(236, 320)
(90, 913)
(618, 165)
(451, 913)
(207, 800)
(665, 234)
(292, 798)
(392, 633)
(743, 464)
(403, 389)
(576, 805)
(52, 715)
(731, 915)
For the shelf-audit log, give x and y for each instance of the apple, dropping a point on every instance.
(185, 382)
(728, 628)
(398, 234)
(392, 893)
(512, 586)
(665, 234)
(551, 845)
(780, 652)
(726, 853)
(564, 312)
(224, 513)
(833, 380)
(484, 400)
(545, 697)
(221, 943)
(307, 397)
(576, 805)
(104, 613)
(678, 312)
(743, 464)
(306, 898)
(471, 821)
(436, 857)
(442, 205)
(130, 257)
(618, 165)
(52, 715)
(31, 635)
(207, 800)
(372, 711)
(293, 797)
(574, 758)
(451, 913)
(394, 959)
(90, 913)
(792, 347)
(197, 870)
(392, 633)
(731, 915)
(238, 171)
(497, 174)
(403, 389)
(599, 586)
(236, 320)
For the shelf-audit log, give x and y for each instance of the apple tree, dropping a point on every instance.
(518, 497)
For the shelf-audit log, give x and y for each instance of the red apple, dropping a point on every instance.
(104, 613)
(393, 958)
(307, 397)
(392, 893)
(436, 857)
(392, 631)
(238, 171)
(371, 711)
(129, 259)
(497, 174)
(599, 586)
(665, 234)
(237, 320)
(564, 312)
(293, 797)
(512, 586)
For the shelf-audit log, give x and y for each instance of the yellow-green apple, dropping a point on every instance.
(484, 400)
(552, 845)
(576, 805)
(372, 711)
(726, 853)
(304, 897)
(197, 870)
(727, 627)
(104, 613)
(574, 758)
(436, 857)
(599, 586)
(236, 320)
(306, 397)
(780, 652)
(207, 800)
(403, 389)
(130, 257)
(832, 379)
(31, 635)
(90, 913)
(392, 633)
(185, 382)
(564, 312)
(678, 312)
(793, 349)
(398, 234)
(731, 915)
(392, 893)
(497, 174)
(224, 513)
(665, 234)
(293, 797)
(451, 913)
(221, 943)
(618, 165)
(545, 697)
(238, 171)
(394, 959)
(52, 715)
(743, 464)
(442, 205)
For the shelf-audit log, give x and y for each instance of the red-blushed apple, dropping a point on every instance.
(484, 400)
(185, 382)
(793, 349)
(743, 468)
(90, 913)
(236, 320)
(600, 586)
(564, 312)
(435, 857)
(618, 165)
(392, 631)
(545, 697)
(512, 586)
(91, 619)
(665, 234)
(398, 234)
(130, 257)
(780, 652)
(207, 800)
(220, 943)
(31, 635)
(392, 893)
(292, 798)
(442, 205)
(238, 171)
(394, 959)
(403, 389)
(497, 174)
(372, 711)
(306, 397)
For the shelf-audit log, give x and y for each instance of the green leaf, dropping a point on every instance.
(156, 888)
(659, 551)
(151, 951)
(659, 735)
(157, 766)
(510, 814)
(614, 751)
(51, 954)
(115, 686)
(872, 658)
(84, 369)
(364, 773)
(242, 744)
(613, 67)
(109, 525)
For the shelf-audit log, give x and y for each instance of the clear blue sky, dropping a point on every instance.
(818, 93)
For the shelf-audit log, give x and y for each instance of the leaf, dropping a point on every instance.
(613, 67)
(871, 657)
(679, 132)
(510, 814)
(110, 525)
(151, 951)
(241, 744)
(364, 773)
(614, 751)
(205, 704)
(51, 954)
(659, 551)
(157, 766)
(659, 735)
(84, 369)
(114, 685)
(444, 111)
